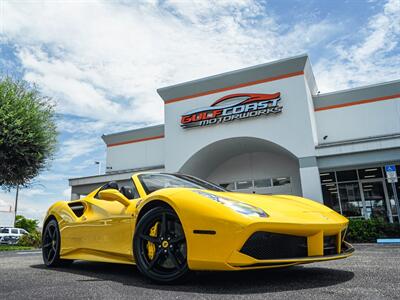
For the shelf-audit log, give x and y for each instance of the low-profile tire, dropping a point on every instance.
(51, 245)
(161, 229)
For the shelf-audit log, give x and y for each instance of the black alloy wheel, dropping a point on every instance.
(160, 246)
(51, 243)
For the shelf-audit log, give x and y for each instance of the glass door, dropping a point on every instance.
(375, 199)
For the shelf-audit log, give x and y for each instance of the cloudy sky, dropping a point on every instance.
(102, 61)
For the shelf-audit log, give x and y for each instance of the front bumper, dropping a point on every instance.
(224, 250)
(237, 259)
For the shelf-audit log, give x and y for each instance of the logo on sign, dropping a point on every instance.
(233, 107)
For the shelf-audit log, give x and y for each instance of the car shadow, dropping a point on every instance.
(243, 282)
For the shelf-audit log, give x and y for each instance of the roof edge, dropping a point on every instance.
(274, 69)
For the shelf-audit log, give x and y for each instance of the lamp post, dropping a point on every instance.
(16, 199)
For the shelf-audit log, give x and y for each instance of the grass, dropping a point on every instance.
(14, 247)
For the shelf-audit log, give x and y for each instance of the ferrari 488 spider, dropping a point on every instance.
(170, 224)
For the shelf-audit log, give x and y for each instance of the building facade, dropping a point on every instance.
(266, 129)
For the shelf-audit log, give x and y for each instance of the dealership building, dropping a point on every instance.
(266, 129)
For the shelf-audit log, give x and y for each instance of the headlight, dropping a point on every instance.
(240, 207)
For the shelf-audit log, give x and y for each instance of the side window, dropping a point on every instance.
(4, 230)
(14, 231)
(22, 231)
(130, 191)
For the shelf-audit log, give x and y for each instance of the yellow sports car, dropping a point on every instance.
(169, 224)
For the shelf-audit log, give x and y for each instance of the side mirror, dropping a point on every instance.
(114, 195)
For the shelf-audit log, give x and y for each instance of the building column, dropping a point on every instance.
(75, 196)
(310, 179)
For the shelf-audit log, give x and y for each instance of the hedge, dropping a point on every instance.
(368, 231)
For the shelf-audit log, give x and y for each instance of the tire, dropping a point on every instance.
(51, 245)
(161, 230)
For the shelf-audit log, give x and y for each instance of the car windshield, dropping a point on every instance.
(154, 182)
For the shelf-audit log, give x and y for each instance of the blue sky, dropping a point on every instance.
(102, 61)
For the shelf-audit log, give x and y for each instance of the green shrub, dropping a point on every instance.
(33, 239)
(368, 231)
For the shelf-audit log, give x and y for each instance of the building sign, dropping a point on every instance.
(233, 107)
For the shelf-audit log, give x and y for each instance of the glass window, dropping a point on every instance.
(370, 173)
(391, 196)
(262, 183)
(244, 184)
(4, 230)
(398, 170)
(375, 202)
(327, 177)
(346, 175)
(331, 196)
(228, 186)
(281, 181)
(350, 199)
(14, 231)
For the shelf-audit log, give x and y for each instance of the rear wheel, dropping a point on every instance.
(51, 245)
(160, 246)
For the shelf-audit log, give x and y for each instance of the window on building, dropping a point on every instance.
(244, 184)
(262, 183)
(347, 175)
(279, 181)
(375, 201)
(370, 173)
(327, 177)
(331, 196)
(391, 198)
(350, 198)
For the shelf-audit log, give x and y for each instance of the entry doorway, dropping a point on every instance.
(375, 199)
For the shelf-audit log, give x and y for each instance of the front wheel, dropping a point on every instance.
(160, 246)
(51, 245)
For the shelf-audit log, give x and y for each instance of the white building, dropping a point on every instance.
(266, 129)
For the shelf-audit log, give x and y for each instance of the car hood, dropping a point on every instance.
(288, 207)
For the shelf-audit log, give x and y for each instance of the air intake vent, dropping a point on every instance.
(330, 245)
(266, 245)
(78, 208)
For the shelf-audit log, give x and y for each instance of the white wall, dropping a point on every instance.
(359, 121)
(291, 129)
(136, 155)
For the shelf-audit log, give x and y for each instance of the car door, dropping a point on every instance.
(105, 226)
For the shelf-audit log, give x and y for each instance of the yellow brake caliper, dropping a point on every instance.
(151, 248)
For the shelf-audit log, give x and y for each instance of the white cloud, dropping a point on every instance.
(374, 59)
(6, 201)
(73, 148)
(104, 60)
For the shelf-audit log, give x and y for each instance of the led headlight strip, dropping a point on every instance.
(240, 207)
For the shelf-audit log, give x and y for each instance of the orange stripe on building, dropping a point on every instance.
(136, 141)
(358, 102)
(235, 87)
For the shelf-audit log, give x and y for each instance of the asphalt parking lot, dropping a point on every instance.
(372, 273)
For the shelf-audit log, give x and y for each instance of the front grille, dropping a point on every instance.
(330, 245)
(266, 245)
